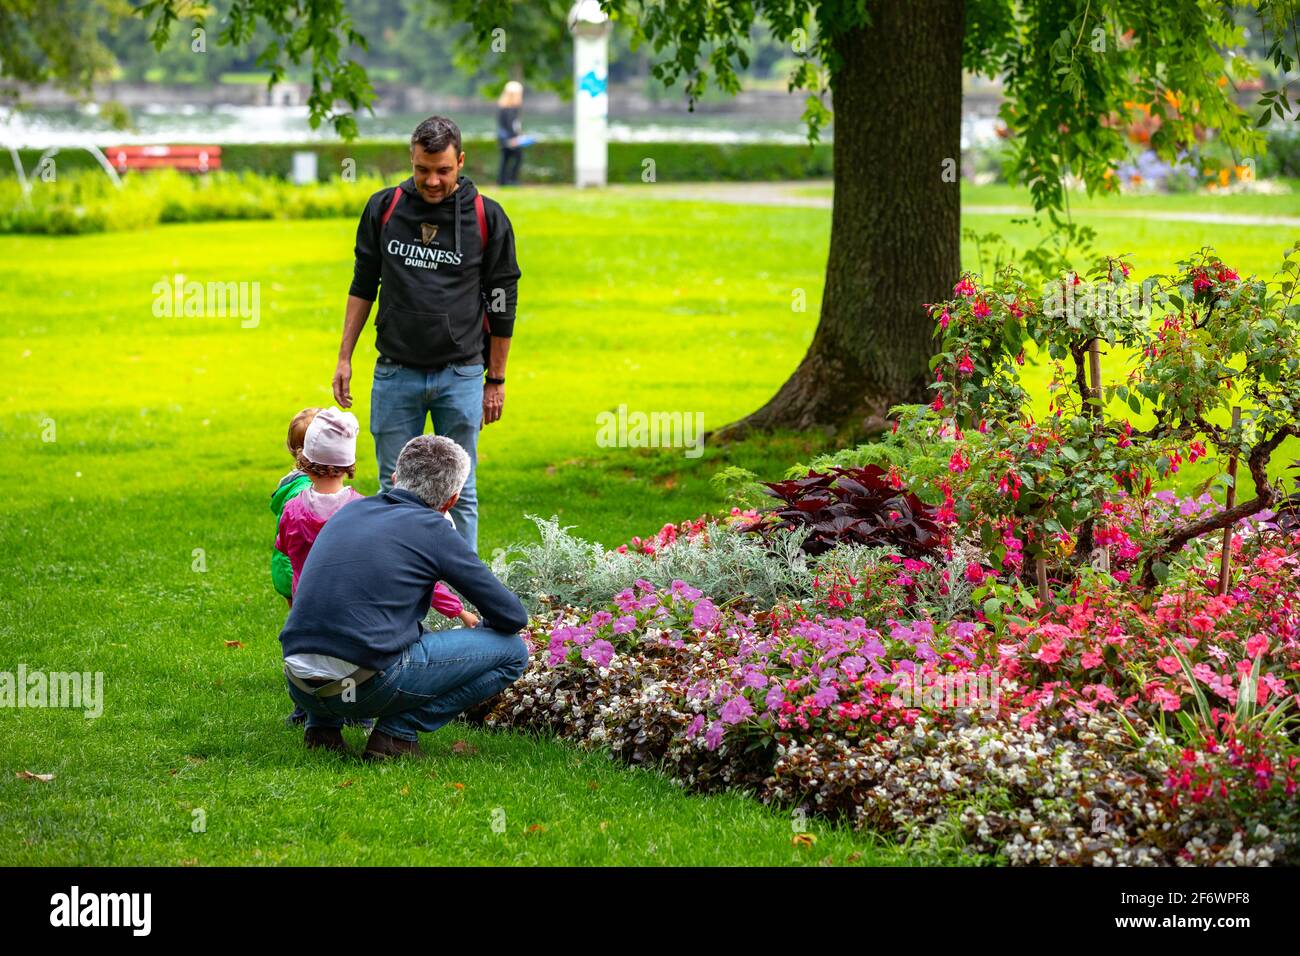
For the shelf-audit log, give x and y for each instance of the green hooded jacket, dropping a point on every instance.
(291, 485)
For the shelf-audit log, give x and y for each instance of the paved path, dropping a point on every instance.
(787, 194)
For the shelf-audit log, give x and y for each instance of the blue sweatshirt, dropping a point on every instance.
(368, 581)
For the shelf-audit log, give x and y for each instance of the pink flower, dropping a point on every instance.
(599, 653)
(964, 287)
(713, 736)
(981, 309)
(1169, 664)
(736, 710)
(974, 573)
(966, 366)
(937, 404)
(1090, 659)
(1050, 653)
(705, 615)
(1167, 699)
(958, 463)
(1257, 645)
(944, 319)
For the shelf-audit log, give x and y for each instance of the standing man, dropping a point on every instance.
(445, 257)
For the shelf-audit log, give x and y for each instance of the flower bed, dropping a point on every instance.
(1051, 738)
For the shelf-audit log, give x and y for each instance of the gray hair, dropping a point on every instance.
(433, 467)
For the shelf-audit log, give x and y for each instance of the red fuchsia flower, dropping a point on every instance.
(1197, 450)
(947, 513)
(1010, 483)
(958, 463)
(1227, 275)
(1124, 433)
(1175, 461)
(984, 427)
(944, 319)
(966, 366)
(981, 309)
(1020, 357)
(964, 287)
(1200, 281)
(1014, 559)
(1015, 309)
(1123, 267)
(894, 476)
(937, 404)
(1074, 278)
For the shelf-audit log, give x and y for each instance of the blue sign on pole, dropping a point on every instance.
(592, 84)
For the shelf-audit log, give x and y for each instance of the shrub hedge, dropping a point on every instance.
(545, 162)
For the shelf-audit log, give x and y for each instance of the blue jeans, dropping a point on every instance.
(437, 677)
(400, 400)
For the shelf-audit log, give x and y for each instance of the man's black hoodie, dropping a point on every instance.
(437, 277)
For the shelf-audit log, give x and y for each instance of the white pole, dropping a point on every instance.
(590, 27)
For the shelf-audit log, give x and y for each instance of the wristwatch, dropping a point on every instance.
(494, 381)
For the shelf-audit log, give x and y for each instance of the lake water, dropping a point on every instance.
(267, 124)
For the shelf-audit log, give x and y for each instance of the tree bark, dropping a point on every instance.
(895, 226)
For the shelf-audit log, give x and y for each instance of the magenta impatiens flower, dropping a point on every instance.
(713, 736)
(705, 614)
(599, 653)
(736, 710)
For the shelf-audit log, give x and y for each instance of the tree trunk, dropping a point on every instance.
(895, 227)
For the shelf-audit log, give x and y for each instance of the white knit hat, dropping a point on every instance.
(332, 438)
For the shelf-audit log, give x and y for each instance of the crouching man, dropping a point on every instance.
(354, 642)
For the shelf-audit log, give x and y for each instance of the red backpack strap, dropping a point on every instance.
(482, 219)
(388, 213)
(483, 234)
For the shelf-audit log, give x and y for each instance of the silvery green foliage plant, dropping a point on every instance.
(725, 563)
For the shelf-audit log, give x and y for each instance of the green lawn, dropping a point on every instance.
(168, 438)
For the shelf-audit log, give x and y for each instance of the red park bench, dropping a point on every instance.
(189, 159)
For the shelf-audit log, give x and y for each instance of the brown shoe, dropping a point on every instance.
(382, 746)
(325, 738)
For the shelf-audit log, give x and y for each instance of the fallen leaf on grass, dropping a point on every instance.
(347, 783)
(537, 828)
(853, 857)
(803, 839)
(28, 775)
(592, 785)
(234, 643)
(463, 747)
